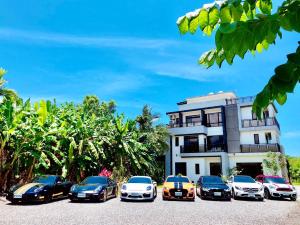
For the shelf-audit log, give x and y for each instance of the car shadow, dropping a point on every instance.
(35, 203)
(87, 201)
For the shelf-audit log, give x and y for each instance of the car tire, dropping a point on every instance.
(293, 199)
(261, 199)
(47, 198)
(104, 196)
(164, 198)
(233, 195)
(267, 194)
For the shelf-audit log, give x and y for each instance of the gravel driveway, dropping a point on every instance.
(158, 212)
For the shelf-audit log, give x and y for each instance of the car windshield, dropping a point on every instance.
(45, 179)
(277, 180)
(178, 179)
(94, 180)
(244, 179)
(212, 180)
(140, 180)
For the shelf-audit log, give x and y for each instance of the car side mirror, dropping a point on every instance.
(154, 183)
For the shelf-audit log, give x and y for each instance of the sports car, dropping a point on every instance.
(212, 187)
(41, 189)
(139, 188)
(178, 187)
(96, 188)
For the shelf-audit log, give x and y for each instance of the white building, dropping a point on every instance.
(211, 134)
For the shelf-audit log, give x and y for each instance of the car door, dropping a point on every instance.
(58, 189)
(109, 186)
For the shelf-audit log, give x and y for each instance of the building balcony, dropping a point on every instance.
(201, 148)
(187, 128)
(272, 121)
(257, 148)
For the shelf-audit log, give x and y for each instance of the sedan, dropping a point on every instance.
(212, 187)
(96, 188)
(41, 189)
(139, 188)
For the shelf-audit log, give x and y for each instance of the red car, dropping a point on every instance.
(277, 187)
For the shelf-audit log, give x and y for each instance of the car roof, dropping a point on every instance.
(177, 176)
(269, 176)
(141, 177)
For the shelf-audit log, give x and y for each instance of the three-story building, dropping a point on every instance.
(209, 135)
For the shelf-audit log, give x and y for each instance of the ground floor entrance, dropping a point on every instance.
(215, 169)
(250, 169)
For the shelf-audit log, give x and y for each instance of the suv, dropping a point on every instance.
(277, 187)
(245, 187)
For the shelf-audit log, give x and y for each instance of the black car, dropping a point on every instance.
(96, 188)
(212, 187)
(41, 189)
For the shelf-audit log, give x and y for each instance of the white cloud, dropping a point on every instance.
(85, 41)
(292, 134)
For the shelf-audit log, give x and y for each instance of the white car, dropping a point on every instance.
(139, 188)
(245, 187)
(277, 187)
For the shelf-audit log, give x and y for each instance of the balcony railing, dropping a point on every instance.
(201, 148)
(189, 124)
(260, 148)
(272, 121)
(240, 100)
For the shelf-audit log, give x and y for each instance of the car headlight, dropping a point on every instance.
(238, 188)
(98, 189)
(227, 189)
(73, 188)
(148, 188)
(37, 190)
(205, 189)
(124, 187)
(272, 187)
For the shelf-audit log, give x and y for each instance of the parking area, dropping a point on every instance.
(158, 212)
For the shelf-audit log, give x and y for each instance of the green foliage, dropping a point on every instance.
(4, 92)
(274, 162)
(294, 168)
(76, 140)
(248, 26)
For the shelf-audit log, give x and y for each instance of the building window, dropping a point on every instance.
(192, 120)
(215, 142)
(197, 168)
(176, 141)
(268, 137)
(191, 143)
(256, 139)
(266, 114)
(214, 119)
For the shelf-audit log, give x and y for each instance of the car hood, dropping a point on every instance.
(87, 187)
(247, 185)
(28, 188)
(178, 185)
(282, 185)
(136, 187)
(215, 186)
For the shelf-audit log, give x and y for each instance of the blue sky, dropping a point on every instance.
(129, 51)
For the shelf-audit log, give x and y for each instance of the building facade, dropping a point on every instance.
(209, 135)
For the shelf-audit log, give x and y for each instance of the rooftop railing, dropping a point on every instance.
(271, 121)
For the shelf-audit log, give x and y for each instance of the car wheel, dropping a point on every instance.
(233, 195)
(261, 199)
(104, 196)
(164, 198)
(267, 194)
(293, 198)
(14, 202)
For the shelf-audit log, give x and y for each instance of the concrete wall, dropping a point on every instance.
(247, 137)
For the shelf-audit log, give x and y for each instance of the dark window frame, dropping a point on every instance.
(197, 168)
(176, 141)
(256, 139)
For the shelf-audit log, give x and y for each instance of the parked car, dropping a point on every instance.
(139, 188)
(245, 187)
(178, 187)
(277, 187)
(42, 189)
(97, 188)
(212, 187)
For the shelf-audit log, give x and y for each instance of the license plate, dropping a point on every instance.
(178, 194)
(135, 194)
(217, 193)
(252, 195)
(81, 195)
(17, 196)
